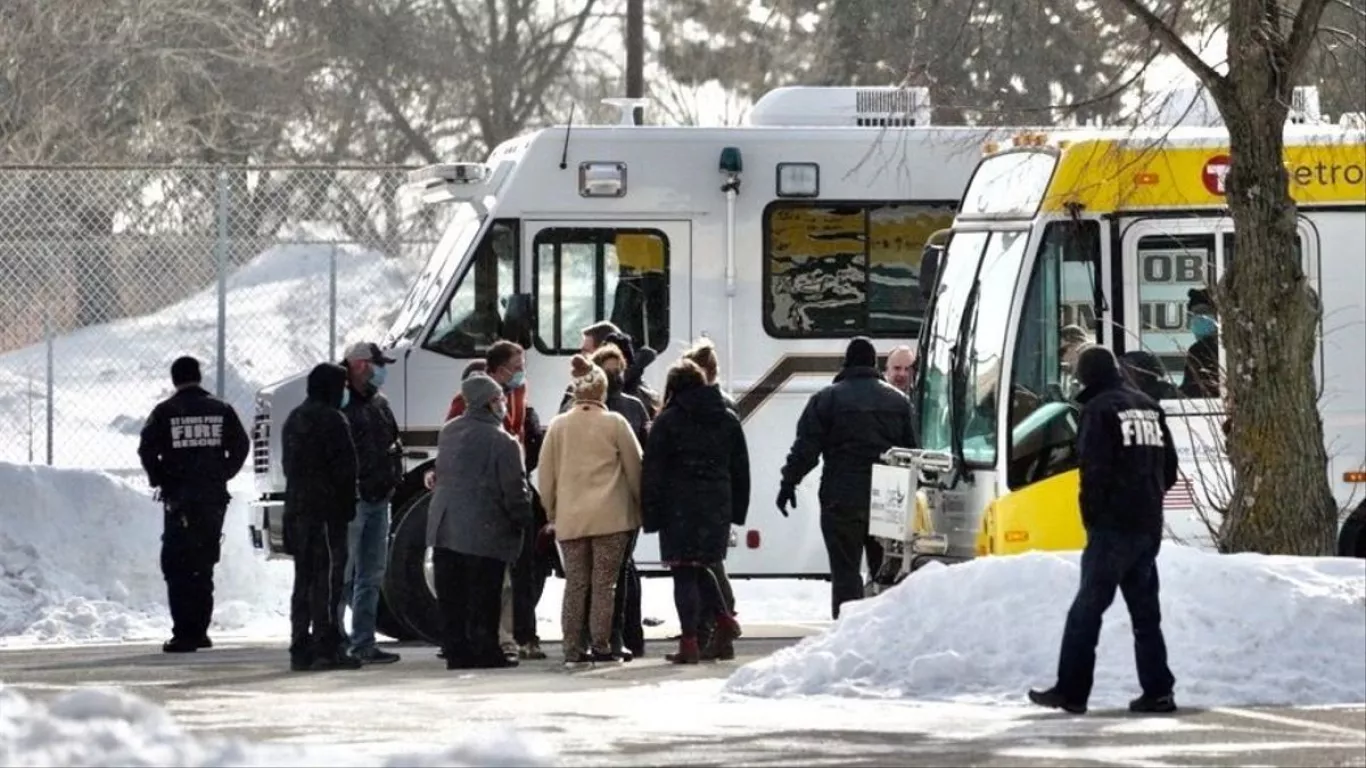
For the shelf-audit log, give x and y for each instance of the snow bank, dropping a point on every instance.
(1241, 630)
(108, 377)
(96, 726)
(79, 560)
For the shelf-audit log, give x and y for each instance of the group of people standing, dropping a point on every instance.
(618, 460)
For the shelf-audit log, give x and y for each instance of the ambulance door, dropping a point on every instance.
(634, 273)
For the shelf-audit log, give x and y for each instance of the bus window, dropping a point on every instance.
(584, 275)
(1059, 296)
(472, 320)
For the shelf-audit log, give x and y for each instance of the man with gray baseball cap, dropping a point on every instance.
(379, 464)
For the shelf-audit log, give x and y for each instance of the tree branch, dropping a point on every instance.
(1302, 33)
(1159, 29)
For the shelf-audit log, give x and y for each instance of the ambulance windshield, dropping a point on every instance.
(440, 270)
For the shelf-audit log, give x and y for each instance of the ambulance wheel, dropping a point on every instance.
(406, 588)
(1352, 538)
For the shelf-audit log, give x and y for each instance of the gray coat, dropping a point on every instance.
(481, 503)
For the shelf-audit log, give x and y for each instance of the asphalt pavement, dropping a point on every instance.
(245, 690)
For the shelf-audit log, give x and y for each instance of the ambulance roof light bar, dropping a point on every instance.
(449, 182)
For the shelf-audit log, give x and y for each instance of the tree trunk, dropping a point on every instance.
(1269, 316)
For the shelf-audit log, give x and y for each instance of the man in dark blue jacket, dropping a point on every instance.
(191, 446)
(1128, 463)
(847, 425)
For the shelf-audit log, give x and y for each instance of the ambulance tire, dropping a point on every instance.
(405, 580)
(1352, 537)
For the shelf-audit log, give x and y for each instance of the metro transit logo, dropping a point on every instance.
(1214, 174)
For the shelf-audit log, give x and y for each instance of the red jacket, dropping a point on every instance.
(514, 422)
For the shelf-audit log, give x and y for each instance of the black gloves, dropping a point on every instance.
(787, 495)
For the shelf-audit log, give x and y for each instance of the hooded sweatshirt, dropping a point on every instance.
(318, 456)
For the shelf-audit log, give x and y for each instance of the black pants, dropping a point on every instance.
(469, 593)
(191, 544)
(320, 554)
(873, 551)
(628, 629)
(845, 530)
(1127, 562)
(528, 581)
(697, 596)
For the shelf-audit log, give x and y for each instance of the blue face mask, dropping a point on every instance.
(346, 397)
(517, 381)
(377, 374)
(1203, 326)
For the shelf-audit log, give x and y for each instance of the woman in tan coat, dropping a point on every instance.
(590, 487)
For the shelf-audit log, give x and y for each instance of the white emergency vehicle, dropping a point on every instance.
(1109, 231)
(778, 240)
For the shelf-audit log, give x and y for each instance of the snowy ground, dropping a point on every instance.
(108, 377)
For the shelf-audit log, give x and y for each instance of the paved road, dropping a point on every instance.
(614, 715)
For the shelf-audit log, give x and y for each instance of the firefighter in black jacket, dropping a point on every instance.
(319, 461)
(191, 446)
(1128, 463)
(847, 426)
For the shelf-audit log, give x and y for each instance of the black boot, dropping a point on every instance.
(1054, 699)
(1153, 705)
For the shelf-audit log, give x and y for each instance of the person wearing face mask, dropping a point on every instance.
(628, 634)
(505, 363)
(1201, 378)
(480, 510)
(379, 457)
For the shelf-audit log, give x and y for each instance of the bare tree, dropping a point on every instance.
(1271, 314)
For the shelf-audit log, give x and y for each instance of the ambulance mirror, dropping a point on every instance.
(517, 319)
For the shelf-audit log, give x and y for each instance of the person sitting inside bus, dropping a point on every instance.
(1148, 375)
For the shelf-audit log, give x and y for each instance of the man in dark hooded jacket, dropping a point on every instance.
(191, 446)
(319, 461)
(1148, 375)
(847, 425)
(1128, 463)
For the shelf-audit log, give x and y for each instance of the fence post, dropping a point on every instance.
(51, 385)
(221, 254)
(332, 302)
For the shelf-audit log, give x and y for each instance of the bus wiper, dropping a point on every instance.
(958, 378)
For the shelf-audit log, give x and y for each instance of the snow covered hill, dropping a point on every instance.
(108, 377)
(1240, 629)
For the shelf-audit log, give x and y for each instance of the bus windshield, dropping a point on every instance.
(991, 263)
(440, 270)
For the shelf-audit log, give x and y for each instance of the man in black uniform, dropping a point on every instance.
(319, 462)
(1128, 463)
(847, 426)
(191, 446)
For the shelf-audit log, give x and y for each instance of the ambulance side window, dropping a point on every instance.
(472, 320)
(834, 270)
(585, 275)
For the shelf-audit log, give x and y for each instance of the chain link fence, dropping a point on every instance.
(109, 274)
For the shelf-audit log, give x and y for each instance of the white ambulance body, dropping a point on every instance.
(778, 240)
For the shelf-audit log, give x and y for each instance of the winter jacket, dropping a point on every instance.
(379, 451)
(481, 504)
(192, 445)
(696, 477)
(848, 425)
(317, 454)
(589, 477)
(631, 409)
(1127, 458)
(1201, 377)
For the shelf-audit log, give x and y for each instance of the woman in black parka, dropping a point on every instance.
(694, 487)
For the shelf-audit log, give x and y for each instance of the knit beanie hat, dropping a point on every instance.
(860, 353)
(479, 390)
(589, 382)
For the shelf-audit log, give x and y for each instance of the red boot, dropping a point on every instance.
(688, 652)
